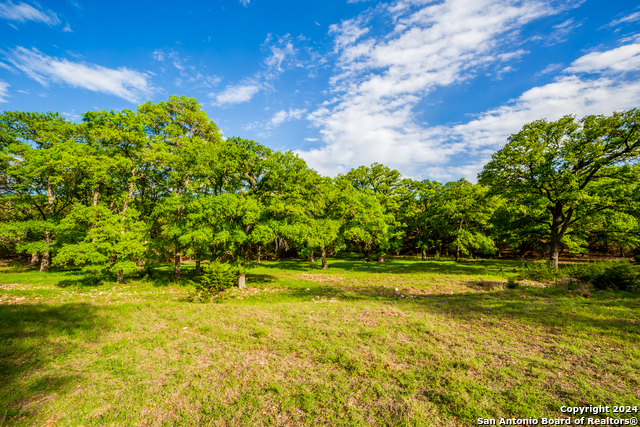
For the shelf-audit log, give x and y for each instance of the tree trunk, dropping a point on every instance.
(241, 281)
(380, 258)
(140, 265)
(258, 259)
(424, 255)
(35, 259)
(324, 259)
(559, 225)
(45, 259)
(120, 277)
(366, 254)
(458, 243)
(176, 265)
(554, 252)
(198, 267)
(312, 259)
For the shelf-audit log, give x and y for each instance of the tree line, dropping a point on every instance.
(123, 190)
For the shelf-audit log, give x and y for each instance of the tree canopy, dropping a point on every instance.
(124, 190)
(569, 169)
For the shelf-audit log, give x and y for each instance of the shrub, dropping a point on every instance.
(620, 277)
(540, 272)
(585, 273)
(603, 276)
(216, 278)
(512, 283)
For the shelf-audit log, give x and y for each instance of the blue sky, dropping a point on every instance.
(430, 88)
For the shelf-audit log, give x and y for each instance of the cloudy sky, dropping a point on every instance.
(430, 88)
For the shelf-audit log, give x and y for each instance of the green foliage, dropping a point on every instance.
(512, 283)
(568, 170)
(604, 276)
(585, 273)
(540, 272)
(125, 189)
(217, 277)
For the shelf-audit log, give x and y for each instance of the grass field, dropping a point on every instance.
(404, 343)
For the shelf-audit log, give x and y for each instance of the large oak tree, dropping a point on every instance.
(568, 166)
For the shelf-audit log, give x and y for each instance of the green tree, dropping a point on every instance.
(179, 132)
(563, 165)
(36, 150)
(465, 212)
(423, 216)
(390, 190)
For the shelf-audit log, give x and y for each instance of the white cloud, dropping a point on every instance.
(67, 29)
(561, 31)
(198, 80)
(73, 116)
(23, 12)
(311, 139)
(122, 82)
(245, 3)
(283, 116)
(281, 52)
(4, 91)
(381, 79)
(281, 57)
(548, 69)
(278, 118)
(188, 74)
(347, 32)
(158, 55)
(567, 95)
(623, 59)
(629, 18)
(236, 94)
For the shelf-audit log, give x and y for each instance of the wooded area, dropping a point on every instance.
(126, 189)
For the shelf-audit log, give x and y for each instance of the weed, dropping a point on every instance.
(512, 283)
(606, 276)
(217, 277)
(540, 272)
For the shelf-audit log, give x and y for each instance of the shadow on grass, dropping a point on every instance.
(84, 282)
(32, 337)
(257, 279)
(402, 266)
(605, 313)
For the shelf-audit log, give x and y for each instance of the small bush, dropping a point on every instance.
(216, 278)
(540, 272)
(585, 273)
(512, 283)
(620, 277)
(603, 276)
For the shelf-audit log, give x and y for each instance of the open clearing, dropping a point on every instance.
(406, 342)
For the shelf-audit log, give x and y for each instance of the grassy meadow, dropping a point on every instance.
(403, 343)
